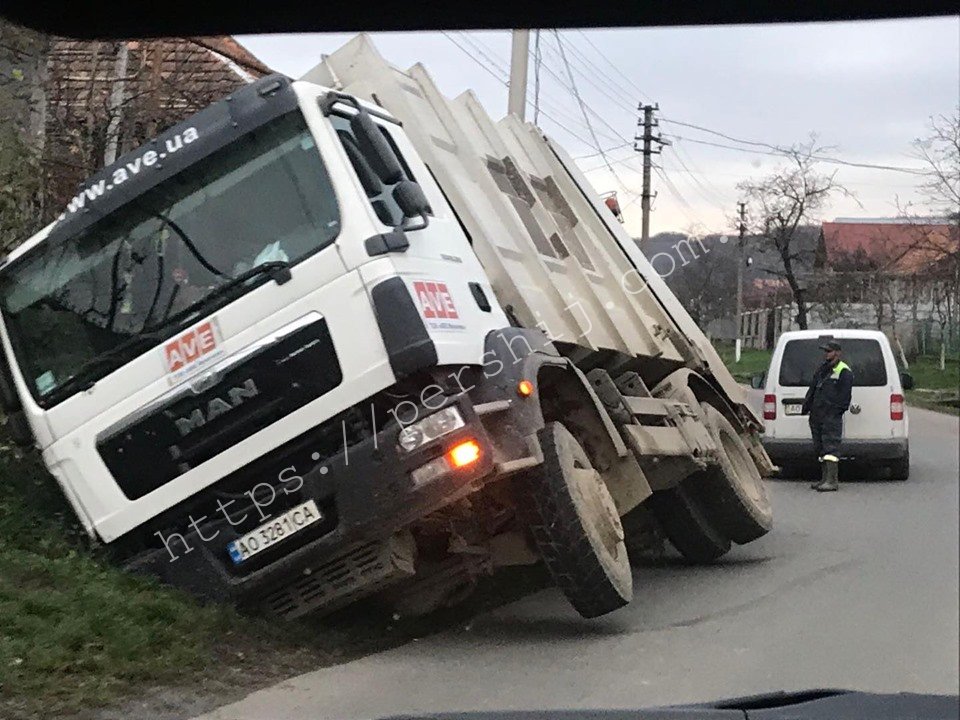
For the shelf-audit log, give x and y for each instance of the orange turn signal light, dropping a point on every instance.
(525, 388)
(464, 453)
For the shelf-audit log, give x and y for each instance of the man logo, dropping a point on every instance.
(216, 407)
(204, 382)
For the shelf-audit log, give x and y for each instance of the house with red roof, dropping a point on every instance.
(897, 247)
(899, 275)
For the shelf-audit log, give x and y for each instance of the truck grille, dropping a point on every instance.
(356, 571)
(195, 423)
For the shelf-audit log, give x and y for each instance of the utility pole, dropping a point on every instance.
(647, 139)
(519, 55)
(740, 261)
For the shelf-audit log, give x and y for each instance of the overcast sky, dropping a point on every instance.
(865, 88)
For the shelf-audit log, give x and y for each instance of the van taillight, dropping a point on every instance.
(896, 406)
(769, 407)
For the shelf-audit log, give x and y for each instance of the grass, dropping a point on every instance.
(928, 375)
(77, 633)
(752, 362)
(935, 389)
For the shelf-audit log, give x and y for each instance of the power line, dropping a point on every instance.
(714, 190)
(486, 52)
(673, 190)
(617, 96)
(474, 58)
(583, 110)
(614, 66)
(488, 61)
(609, 149)
(576, 95)
(598, 74)
(700, 188)
(721, 145)
(723, 135)
(500, 78)
(692, 182)
(780, 150)
(617, 136)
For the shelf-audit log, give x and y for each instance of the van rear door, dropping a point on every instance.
(798, 362)
(869, 415)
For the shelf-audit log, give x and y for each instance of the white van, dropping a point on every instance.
(875, 428)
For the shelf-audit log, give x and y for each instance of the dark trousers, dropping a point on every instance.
(827, 431)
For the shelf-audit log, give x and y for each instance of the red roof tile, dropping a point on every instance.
(900, 248)
(230, 48)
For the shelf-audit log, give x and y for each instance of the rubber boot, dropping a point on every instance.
(816, 483)
(831, 477)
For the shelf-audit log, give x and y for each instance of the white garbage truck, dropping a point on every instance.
(344, 336)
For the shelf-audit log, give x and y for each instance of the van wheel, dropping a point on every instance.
(575, 525)
(685, 524)
(900, 468)
(735, 495)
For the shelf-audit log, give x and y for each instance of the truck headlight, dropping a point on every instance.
(430, 428)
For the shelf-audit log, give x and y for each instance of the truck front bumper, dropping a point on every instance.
(786, 451)
(367, 498)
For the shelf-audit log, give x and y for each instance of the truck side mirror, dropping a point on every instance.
(906, 379)
(375, 147)
(758, 381)
(368, 178)
(409, 196)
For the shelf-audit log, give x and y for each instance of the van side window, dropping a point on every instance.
(379, 194)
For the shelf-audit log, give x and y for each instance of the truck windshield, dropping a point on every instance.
(265, 198)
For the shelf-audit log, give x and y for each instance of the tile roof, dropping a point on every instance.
(230, 48)
(904, 247)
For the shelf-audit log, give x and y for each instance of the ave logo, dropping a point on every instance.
(435, 300)
(187, 350)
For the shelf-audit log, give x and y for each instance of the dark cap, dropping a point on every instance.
(830, 345)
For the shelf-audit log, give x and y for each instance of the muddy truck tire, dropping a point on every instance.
(734, 494)
(686, 524)
(575, 525)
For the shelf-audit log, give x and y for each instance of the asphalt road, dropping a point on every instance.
(857, 589)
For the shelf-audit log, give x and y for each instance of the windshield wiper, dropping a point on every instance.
(83, 378)
(278, 270)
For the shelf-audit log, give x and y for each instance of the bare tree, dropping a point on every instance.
(23, 60)
(106, 98)
(940, 154)
(782, 204)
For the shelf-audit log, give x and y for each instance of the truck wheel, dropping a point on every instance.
(900, 468)
(575, 525)
(734, 494)
(686, 525)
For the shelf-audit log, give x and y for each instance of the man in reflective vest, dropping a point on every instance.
(827, 400)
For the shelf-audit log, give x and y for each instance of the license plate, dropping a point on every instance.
(270, 533)
(792, 409)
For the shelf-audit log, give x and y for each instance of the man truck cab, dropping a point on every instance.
(875, 428)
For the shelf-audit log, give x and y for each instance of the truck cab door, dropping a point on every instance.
(432, 255)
